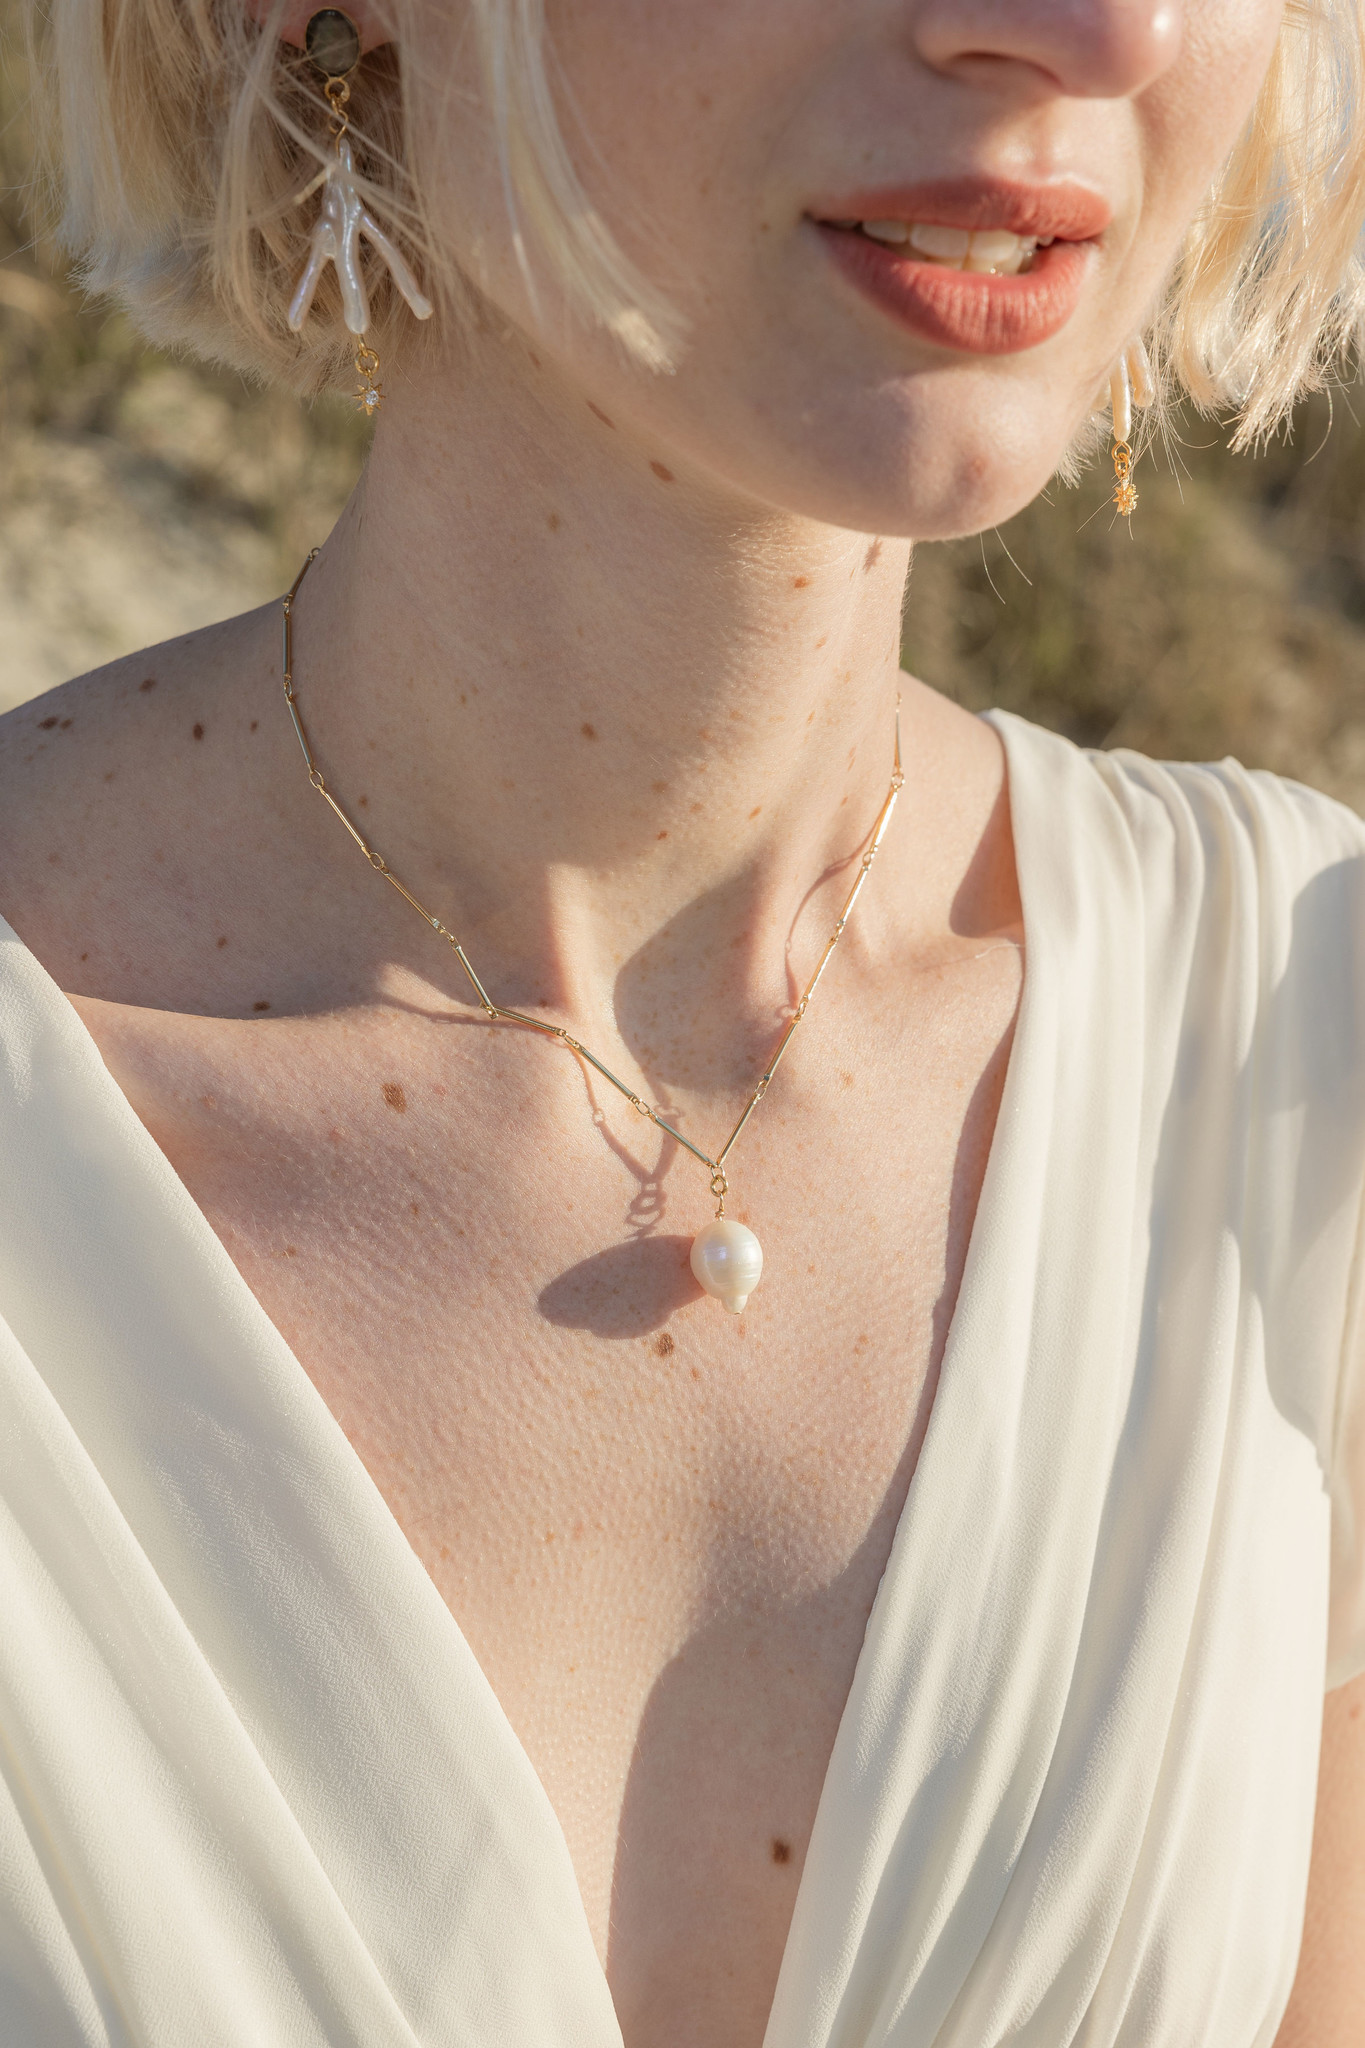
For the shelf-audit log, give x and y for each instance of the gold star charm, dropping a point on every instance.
(1125, 490)
(370, 396)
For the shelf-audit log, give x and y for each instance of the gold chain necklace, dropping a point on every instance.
(727, 1258)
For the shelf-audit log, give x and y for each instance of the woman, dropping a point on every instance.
(429, 1617)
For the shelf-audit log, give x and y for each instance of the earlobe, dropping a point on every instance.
(292, 23)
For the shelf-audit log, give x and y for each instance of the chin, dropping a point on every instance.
(924, 486)
(975, 461)
(931, 460)
(970, 505)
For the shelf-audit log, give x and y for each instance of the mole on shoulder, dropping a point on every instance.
(782, 1851)
(394, 1096)
(260, 1006)
(148, 684)
(46, 724)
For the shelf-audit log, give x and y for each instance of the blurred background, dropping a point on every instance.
(141, 495)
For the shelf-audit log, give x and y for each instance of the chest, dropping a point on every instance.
(660, 1527)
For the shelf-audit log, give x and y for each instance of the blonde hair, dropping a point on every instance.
(1267, 299)
(176, 135)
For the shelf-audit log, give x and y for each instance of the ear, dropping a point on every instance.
(291, 23)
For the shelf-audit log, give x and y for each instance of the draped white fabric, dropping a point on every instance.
(254, 1788)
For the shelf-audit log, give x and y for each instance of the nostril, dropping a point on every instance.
(1093, 49)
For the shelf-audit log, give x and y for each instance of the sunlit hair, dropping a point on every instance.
(176, 135)
(1268, 298)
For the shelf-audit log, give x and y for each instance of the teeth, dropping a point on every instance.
(994, 249)
(991, 250)
(945, 245)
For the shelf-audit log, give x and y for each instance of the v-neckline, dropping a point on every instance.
(958, 1392)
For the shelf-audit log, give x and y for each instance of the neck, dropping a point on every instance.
(594, 699)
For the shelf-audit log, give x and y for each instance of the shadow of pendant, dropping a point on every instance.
(626, 1291)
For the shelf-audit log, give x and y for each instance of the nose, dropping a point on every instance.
(1088, 49)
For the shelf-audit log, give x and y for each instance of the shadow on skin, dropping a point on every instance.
(721, 1796)
(689, 1056)
(626, 1291)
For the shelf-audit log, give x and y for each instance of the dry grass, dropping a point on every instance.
(140, 496)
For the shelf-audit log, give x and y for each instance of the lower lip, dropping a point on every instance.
(972, 311)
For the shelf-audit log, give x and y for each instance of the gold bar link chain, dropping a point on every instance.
(499, 1013)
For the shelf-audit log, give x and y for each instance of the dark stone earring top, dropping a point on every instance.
(332, 40)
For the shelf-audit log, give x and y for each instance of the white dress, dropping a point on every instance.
(255, 1791)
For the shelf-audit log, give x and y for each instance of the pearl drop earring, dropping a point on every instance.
(1130, 383)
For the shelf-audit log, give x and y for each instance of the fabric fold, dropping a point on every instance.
(277, 1796)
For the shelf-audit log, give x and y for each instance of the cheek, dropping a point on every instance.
(664, 95)
(642, 92)
(1193, 119)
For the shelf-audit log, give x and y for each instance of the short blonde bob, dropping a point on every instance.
(176, 134)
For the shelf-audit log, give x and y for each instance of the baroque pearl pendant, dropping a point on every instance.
(728, 1261)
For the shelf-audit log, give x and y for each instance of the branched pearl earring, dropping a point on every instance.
(1130, 383)
(332, 41)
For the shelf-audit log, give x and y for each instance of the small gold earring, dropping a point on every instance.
(1130, 383)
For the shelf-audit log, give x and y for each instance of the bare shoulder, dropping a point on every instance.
(116, 798)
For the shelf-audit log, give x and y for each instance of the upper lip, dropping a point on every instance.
(1065, 211)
